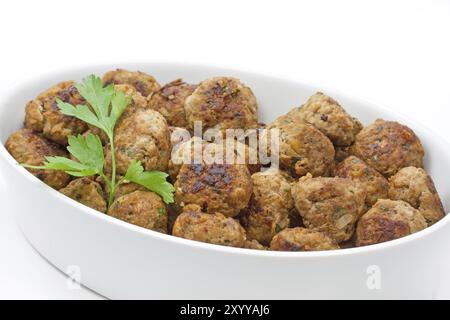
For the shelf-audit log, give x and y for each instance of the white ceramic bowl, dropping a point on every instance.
(120, 260)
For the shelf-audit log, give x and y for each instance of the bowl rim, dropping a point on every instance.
(15, 88)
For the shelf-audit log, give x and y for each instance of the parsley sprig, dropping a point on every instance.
(106, 105)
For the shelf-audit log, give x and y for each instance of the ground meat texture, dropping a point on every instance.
(30, 148)
(169, 101)
(44, 116)
(329, 205)
(388, 220)
(222, 102)
(415, 186)
(142, 208)
(326, 115)
(142, 136)
(253, 244)
(301, 239)
(212, 228)
(268, 211)
(388, 146)
(185, 153)
(375, 183)
(224, 188)
(342, 153)
(145, 84)
(302, 148)
(87, 192)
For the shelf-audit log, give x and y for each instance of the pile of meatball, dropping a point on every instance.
(338, 185)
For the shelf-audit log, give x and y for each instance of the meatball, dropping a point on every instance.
(415, 186)
(224, 188)
(388, 146)
(87, 192)
(326, 115)
(43, 115)
(212, 228)
(185, 153)
(169, 101)
(342, 153)
(388, 220)
(222, 102)
(30, 148)
(268, 211)
(301, 239)
(142, 208)
(302, 148)
(329, 205)
(375, 184)
(142, 136)
(253, 244)
(142, 82)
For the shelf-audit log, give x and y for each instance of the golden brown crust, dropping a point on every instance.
(141, 208)
(388, 220)
(301, 239)
(416, 187)
(30, 148)
(145, 84)
(87, 192)
(253, 244)
(388, 146)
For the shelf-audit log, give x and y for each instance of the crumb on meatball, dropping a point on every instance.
(416, 187)
(169, 101)
(388, 146)
(388, 220)
(329, 205)
(145, 84)
(30, 148)
(375, 183)
(222, 102)
(142, 208)
(87, 192)
(302, 239)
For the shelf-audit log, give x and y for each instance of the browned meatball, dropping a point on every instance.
(87, 192)
(301, 239)
(375, 184)
(142, 82)
(415, 186)
(185, 153)
(388, 220)
(268, 211)
(326, 115)
(224, 188)
(330, 205)
(43, 114)
(30, 148)
(302, 148)
(222, 102)
(212, 228)
(142, 208)
(169, 101)
(253, 244)
(388, 146)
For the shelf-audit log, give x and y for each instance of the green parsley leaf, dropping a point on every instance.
(99, 97)
(89, 151)
(153, 180)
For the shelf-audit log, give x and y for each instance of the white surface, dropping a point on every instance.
(394, 53)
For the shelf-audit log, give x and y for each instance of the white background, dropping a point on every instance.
(394, 53)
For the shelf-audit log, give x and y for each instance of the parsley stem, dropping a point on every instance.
(112, 190)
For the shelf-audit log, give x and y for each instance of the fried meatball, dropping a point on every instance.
(142, 82)
(326, 115)
(222, 102)
(43, 115)
(142, 136)
(302, 148)
(268, 211)
(330, 205)
(415, 186)
(142, 208)
(185, 153)
(253, 244)
(388, 220)
(212, 228)
(169, 101)
(30, 148)
(388, 146)
(301, 239)
(87, 192)
(224, 188)
(375, 184)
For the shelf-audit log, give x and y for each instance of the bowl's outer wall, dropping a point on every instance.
(122, 261)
